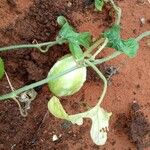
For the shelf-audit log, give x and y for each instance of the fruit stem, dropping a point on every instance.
(101, 77)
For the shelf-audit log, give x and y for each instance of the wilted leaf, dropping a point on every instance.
(100, 119)
(55, 107)
(100, 122)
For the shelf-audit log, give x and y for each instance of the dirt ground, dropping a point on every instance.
(23, 21)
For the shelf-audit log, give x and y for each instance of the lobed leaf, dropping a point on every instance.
(75, 40)
(129, 47)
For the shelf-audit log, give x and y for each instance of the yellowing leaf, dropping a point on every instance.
(100, 122)
(55, 107)
(100, 119)
(75, 119)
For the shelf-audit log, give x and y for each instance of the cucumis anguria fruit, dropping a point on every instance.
(69, 83)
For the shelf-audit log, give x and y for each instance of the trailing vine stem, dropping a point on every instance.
(101, 77)
(87, 53)
(118, 12)
(60, 41)
(39, 46)
(100, 48)
(33, 85)
(108, 58)
(143, 35)
(44, 81)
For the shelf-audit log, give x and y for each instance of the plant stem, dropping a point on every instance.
(102, 77)
(118, 12)
(44, 81)
(33, 85)
(113, 55)
(143, 35)
(96, 44)
(38, 46)
(100, 49)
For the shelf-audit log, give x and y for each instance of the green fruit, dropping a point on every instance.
(69, 83)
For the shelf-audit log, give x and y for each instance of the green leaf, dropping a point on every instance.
(129, 47)
(2, 71)
(55, 107)
(84, 39)
(99, 4)
(113, 35)
(76, 51)
(100, 119)
(75, 40)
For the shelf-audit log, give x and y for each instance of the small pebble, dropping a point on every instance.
(55, 138)
(69, 4)
(142, 20)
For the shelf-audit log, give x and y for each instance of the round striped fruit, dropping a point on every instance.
(69, 83)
